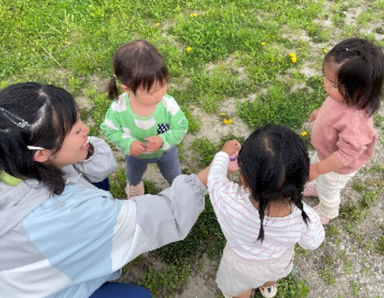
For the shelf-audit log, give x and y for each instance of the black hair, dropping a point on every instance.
(360, 75)
(275, 165)
(137, 64)
(50, 112)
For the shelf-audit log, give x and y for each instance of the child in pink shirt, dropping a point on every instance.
(343, 133)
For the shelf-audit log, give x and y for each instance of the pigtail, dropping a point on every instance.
(296, 198)
(262, 206)
(113, 91)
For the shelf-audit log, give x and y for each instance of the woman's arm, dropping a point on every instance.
(158, 219)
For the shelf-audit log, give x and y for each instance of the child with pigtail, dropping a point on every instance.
(263, 218)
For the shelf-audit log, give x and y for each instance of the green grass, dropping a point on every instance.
(238, 49)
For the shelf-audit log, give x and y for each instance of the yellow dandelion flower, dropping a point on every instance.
(303, 133)
(189, 49)
(263, 43)
(157, 24)
(222, 114)
(325, 51)
(193, 15)
(230, 121)
(225, 121)
(293, 57)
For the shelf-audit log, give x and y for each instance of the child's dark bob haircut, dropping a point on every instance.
(51, 113)
(137, 64)
(361, 73)
(275, 164)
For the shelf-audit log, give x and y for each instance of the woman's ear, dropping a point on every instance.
(41, 155)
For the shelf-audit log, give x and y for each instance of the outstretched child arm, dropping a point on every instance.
(330, 164)
(218, 183)
(355, 137)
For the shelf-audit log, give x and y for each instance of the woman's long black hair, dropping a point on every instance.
(50, 113)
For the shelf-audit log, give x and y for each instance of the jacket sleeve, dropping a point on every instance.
(312, 234)
(100, 164)
(113, 131)
(178, 124)
(158, 219)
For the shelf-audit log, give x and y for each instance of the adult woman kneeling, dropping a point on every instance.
(61, 236)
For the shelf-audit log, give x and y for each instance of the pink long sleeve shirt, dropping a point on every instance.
(346, 132)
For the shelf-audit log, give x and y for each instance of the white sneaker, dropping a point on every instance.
(134, 190)
(268, 292)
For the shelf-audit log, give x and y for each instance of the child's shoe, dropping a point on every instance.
(134, 190)
(310, 190)
(323, 219)
(268, 291)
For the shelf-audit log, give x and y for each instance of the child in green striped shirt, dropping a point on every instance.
(144, 122)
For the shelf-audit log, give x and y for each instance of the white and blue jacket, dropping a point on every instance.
(68, 245)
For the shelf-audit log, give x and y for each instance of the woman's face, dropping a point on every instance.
(74, 148)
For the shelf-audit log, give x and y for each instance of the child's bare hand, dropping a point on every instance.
(137, 148)
(313, 115)
(231, 147)
(154, 143)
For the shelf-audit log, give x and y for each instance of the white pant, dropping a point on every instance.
(328, 188)
(237, 275)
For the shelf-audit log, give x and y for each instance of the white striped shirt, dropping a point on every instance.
(239, 219)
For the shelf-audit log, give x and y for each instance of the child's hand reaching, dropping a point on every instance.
(137, 148)
(231, 147)
(313, 115)
(154, 143)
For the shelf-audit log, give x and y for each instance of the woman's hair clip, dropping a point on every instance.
(30, 147)
(347, 49)
(19, 122)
